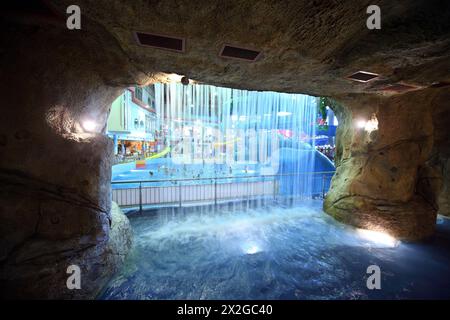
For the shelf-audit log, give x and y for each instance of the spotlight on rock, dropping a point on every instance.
(369, 125)
(361, 123)
(378, 238)
(89, 125)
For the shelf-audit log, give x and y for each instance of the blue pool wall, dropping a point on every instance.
(293, 160)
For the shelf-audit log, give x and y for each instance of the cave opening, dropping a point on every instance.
(314, 239)
(200, 144)
(199, 201)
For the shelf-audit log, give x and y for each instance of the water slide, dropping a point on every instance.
(160, 154)
(218, 144)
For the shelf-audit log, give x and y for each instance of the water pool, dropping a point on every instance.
(165, 168)
(291, 252)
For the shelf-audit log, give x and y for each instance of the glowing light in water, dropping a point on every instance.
(250, 248)
(379, 238)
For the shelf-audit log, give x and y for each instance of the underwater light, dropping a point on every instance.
(89, 125)
(378, 237)
(250, 248)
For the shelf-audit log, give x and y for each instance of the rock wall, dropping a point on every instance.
(387, 178)
(55, 203)
(441, 149)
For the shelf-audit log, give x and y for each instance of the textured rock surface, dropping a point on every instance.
(37, 269)
(308, 46)
(441, 151)
(388, 179)
(55, 198)
(444, 195)
(55, 179)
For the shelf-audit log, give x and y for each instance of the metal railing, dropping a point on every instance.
(214, 190)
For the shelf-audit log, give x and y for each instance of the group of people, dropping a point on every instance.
(327, 150)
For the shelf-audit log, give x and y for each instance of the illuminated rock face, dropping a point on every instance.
(386, 179)
(55, 179)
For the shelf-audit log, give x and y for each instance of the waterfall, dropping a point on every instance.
(243, 136)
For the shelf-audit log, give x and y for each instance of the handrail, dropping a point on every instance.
(223, 178)
(214, 181)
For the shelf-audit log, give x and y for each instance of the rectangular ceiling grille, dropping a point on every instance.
(160, 41)
(239, 53)
(363, 76)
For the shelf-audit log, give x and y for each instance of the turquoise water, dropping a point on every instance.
(166, 169)
(273, 252)
(163, 172)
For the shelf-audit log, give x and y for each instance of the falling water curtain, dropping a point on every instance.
(272, 133)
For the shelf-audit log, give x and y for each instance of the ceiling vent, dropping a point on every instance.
(160, 42)
(399, 88)
(363, 76)
(239, 53)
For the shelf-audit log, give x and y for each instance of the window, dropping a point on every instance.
(138, 93)
(148, 124)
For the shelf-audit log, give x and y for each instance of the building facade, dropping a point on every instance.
(133, 123)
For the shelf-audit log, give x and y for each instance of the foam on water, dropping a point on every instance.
(259, 224)
(272, 253)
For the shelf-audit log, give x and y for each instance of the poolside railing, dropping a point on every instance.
(215, 190)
